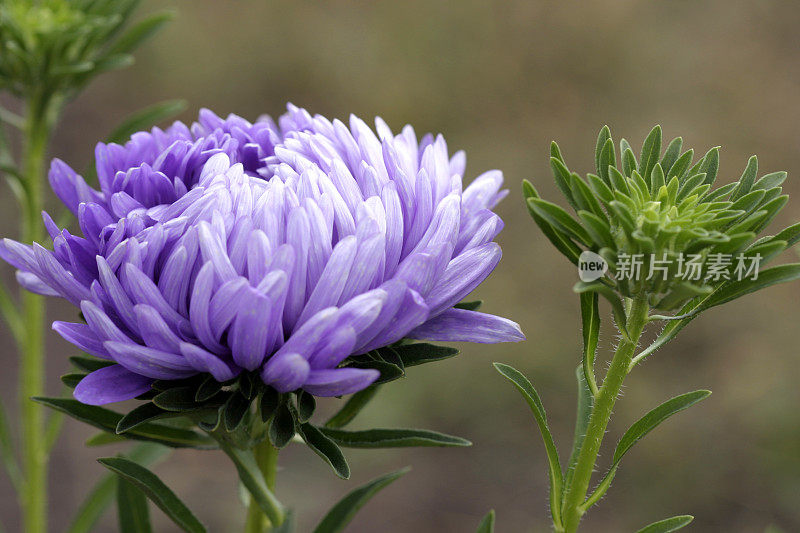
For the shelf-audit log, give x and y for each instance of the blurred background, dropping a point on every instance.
(501, 80)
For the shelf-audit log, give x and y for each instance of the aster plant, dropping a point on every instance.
(229, 273)
(50, 50)
(655, 239)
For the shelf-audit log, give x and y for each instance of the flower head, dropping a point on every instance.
(277, 250)
(661, 216)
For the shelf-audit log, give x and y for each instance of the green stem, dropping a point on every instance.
(267, 459)
(34, 454)
(601, 413)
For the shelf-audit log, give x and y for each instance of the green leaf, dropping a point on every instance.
(270, 401)
(392, 438)
(638, 430)
(469, 306)
(679, 168)
(559, 219)
(139, 415)
(98, 500)
(655, 417)
(234, 410)
(525, 388)
(71, 380)
(102, 438)
(281, 428)
(388, 371)
(668, 525)
(747, 180)
(108, 420)
(651, 153)
(325, 448)
(562, 243)
(132, 512)
(177, 399)
(590, 318)
(710, 165)
(487, 524)
(597, 228)
(563, 180)
(306, 405)
(602, 139)
(145, 119)
(584, 411)
(155, 490)
(343, 512)
(253, 480)
(140, 32)
(608, 293)
(766, 278)
(418, 353)
(671, 154)
(351, 408)
(207, 390)
(771, 180)
(89, 364)
(607, 159)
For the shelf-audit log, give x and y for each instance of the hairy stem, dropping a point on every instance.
(267, 459)
(34, 453)
(601, 414)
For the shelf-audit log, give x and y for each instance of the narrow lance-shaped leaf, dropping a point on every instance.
(252, 478)
(525, 388)
(392, 438)
(326, 448)
(583, 412)
(139, 415)
(155, 490)
(560, 220)
(418, 353)
(132, 512)
(638, 430)
(602, 138)
(590, 317)
(723, 294)
(487, 524)
(108, 420)
(608, 293)
(343, 512)
(668, 525)
(561, 241)
(651, 153)
(101, 496)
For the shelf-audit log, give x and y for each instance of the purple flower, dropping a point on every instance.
(280, 249)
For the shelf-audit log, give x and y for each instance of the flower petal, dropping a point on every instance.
(339, 381)
(111, 384)
(460, 325)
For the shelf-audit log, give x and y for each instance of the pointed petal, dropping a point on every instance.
(460, 325)
(205, 361)
(149, 361)
(285, 372)
(111, 384)
(340, 381)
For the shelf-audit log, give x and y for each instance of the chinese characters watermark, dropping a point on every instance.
(715, 267)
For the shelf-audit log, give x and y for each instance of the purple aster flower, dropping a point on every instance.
(278, 249)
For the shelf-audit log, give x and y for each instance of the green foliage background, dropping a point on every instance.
(502, 79)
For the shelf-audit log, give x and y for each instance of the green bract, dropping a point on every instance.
(59, 45)
(659, 223)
